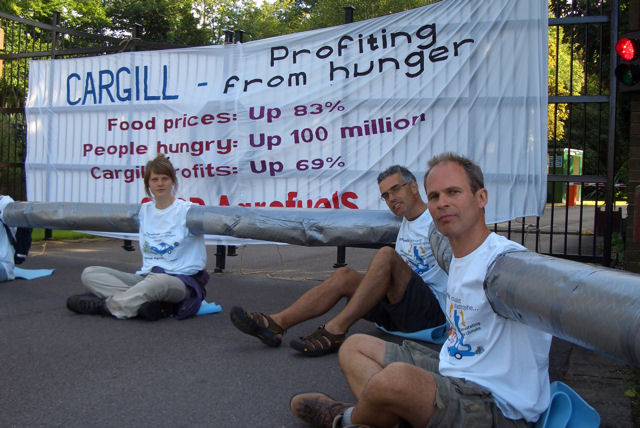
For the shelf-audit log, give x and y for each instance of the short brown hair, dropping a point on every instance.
(159, 165)
(407, 176)
(473, 171)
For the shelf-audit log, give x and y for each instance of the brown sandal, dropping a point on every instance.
(318, 343)
(251, 323)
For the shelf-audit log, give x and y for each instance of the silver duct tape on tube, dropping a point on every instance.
(591, 306)
(73, 216)
(440, 248)
(291, 226)
(297, 226)
(595, 307)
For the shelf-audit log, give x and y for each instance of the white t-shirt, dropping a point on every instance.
(6, 249)
(413, 246)
(165, 240)
(507, 357)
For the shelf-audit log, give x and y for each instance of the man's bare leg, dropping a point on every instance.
(388, 275)
(320, 299)
(386, 395)
(361, 357)
(315, 302)
(399, 392)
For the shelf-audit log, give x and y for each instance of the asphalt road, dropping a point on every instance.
(58, 368)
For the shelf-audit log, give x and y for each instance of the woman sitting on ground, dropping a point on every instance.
(172, 278)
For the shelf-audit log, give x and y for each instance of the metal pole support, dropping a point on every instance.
(220, 258)
(342, 255)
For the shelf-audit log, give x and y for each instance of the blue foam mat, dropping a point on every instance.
(31, 273)
(567, 410)
(437, 335)
(208, 308)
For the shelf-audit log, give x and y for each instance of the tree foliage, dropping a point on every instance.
(170, 21)
(586, 71)
(84, 15)
(566, 77)
(326, 13)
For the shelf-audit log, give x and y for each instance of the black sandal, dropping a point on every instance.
(251, 323)
(315, 345)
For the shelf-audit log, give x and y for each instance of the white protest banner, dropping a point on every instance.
(305, 120)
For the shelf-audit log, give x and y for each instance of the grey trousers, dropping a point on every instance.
(126, 292)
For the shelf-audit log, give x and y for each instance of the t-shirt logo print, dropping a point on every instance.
(161, 248)
(418, 263)
(460, 349)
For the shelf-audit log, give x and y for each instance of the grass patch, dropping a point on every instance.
(56, 235)
(632, 391)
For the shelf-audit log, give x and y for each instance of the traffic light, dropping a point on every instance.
(628, 69)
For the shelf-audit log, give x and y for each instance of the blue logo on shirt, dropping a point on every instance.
(163, 248)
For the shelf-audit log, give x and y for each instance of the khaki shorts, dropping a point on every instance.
(459, 403)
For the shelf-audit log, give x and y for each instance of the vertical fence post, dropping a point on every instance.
(220, 259)
(348, 14)
(136, 34)
(55, 20)
(238, 35)
(221, 250)
(228, 37)
(341, 258)
(609, 192)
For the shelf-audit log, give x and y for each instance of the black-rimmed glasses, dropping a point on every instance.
(394, 190)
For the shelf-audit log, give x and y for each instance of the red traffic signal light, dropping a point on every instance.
(627, 48)
(628, 69)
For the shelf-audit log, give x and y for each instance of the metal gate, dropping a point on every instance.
(26, 40)
(580, 221)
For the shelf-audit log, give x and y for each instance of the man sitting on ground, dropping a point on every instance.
(491, 372)
(403, 289)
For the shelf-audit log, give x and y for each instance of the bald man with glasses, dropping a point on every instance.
(403, 289)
